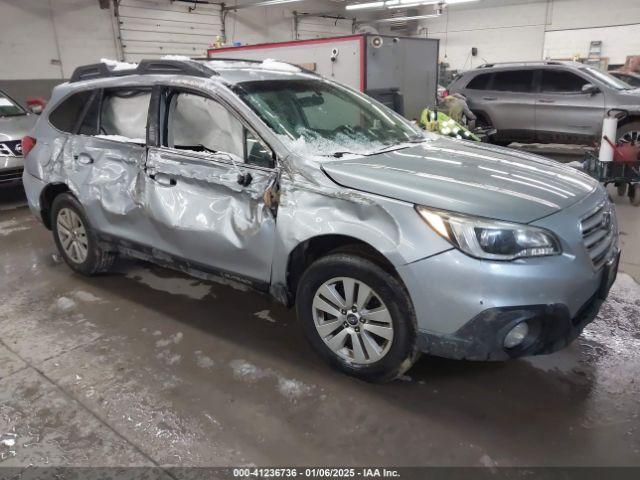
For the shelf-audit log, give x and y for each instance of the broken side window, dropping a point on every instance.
(66, 115)
(90, 122)
(201, 124)
(124, 114)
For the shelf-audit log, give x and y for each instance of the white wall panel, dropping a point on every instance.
(568, 14)
(42, 39)
(153, 28)
(316, 27)
(617, 42)
(500, 31)
(508, 30)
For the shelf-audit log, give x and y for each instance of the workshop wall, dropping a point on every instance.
(532, 30)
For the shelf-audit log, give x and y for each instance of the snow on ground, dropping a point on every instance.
(11, 226)
(289, 388)
(265, 315)
(65, 304)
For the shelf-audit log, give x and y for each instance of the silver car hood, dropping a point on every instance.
(467, 177)
(16, 127)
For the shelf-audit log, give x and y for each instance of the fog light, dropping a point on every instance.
(516, 336)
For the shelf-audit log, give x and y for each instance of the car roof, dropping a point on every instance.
(490, 67)
(229, 71)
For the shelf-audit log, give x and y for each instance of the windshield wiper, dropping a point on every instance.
(342, 154)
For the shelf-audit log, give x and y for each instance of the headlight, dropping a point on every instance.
(491, 239)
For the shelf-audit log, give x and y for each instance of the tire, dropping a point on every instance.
(634, 194)
(622, 189)
(386, 358)
(629, 132)
(88, 257)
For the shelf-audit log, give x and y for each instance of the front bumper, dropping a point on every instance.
(552, 327)
(11, 170)
(482, 339)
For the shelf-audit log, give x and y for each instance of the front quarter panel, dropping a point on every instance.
(308, 210)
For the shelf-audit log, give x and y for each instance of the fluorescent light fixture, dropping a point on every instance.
(405, 19)
(266, 3)
(362, 6)
(402, 4)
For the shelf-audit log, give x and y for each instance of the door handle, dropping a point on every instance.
(544, 100)
(245, 179)
(83, 158)
(490, 99)
(164, 180)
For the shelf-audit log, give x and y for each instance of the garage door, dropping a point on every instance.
(318, 27)
(153, 28)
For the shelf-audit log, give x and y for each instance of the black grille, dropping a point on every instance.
(12, 148)
(10, 175)
(598, 233)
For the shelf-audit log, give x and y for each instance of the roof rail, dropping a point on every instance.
(145, 67)
(246, 60)
(221, 59)
(538, 62)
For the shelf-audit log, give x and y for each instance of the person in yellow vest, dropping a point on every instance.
(442, 123)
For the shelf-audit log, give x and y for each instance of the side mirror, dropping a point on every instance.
(590, 89)
(36, 104)
(37, 109)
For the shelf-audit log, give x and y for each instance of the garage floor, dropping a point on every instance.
(147, 366)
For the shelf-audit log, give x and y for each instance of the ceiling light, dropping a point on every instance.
(404, 19)
(361, 6)
(259, 4)
(402, 3)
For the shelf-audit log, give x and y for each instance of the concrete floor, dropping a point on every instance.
(149, 367)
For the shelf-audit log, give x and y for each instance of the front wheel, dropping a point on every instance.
(622, 189)
(358, 317)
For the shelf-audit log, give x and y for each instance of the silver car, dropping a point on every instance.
(388, 241)
(548, 102)
(15, 123)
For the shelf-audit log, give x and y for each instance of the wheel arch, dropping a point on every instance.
(307, 252)
(47, 197)
(633, 117)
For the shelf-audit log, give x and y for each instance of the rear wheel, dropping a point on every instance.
(629, 133)
(634, 194)
(622, 189)
(358, 317)
(75, 239)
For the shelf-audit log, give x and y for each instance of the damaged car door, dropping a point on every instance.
(104, 158)
(210, 182)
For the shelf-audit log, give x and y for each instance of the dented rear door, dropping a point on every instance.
(105, 159)
(105, 176)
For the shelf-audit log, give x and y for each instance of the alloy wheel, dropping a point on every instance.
(73, 235)
(352, 320)
(631, 137)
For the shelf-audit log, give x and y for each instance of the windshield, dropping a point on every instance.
(607, 79)
(321, 118)
(9, 108)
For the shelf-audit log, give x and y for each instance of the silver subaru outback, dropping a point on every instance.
(387, 240)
